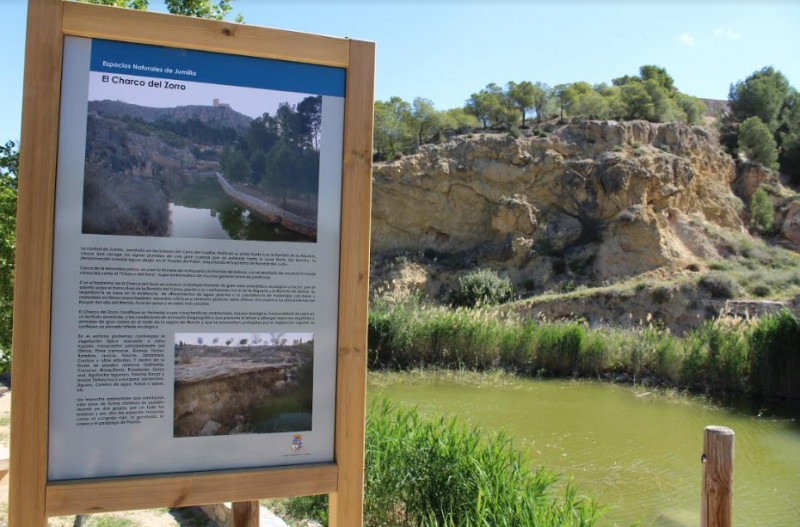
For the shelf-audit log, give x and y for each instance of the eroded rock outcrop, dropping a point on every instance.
(619, 195)
(211, 405)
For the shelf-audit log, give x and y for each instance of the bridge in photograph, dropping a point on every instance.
(268, 211)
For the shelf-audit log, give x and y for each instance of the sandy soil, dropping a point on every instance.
(186, 517)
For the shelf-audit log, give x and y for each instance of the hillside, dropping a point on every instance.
(584, 206)
(220, 116)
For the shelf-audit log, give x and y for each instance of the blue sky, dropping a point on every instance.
(445, 50)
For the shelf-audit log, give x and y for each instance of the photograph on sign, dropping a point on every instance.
(234, 383)
(196, 262)
(211, 161)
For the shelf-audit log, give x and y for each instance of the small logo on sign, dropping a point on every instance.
(297, 442)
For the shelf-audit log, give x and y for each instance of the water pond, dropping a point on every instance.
(202, 210)
(633, 449)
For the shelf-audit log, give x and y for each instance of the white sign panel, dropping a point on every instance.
(196, 262)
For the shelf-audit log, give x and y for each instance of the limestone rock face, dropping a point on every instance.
(749, 177)
(621, 189)
(791, 223)
(514, 216)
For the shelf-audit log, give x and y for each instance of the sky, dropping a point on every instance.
(445, 50)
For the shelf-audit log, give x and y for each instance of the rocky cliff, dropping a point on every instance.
(609, 198)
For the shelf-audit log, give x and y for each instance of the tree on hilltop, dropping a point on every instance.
(766, 95)
(542, 95)
(491, 105)
(424, 119)
(658, 75)
(763, 94)
(522, 96)
(391, 127)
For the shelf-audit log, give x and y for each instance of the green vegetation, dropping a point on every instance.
(401, 127)
(198, 8)
(756, 142)
(720, 356)
(764, 104)
(775, 355)
(651, 95)
(762, 213)
(439, 473)
(280, 153)
(481, 287)
(9, 165)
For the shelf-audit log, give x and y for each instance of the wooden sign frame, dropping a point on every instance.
(32, 497)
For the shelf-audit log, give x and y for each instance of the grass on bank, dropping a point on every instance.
(759, 357)
(438, 473)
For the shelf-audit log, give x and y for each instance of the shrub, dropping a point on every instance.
(757, 143)
(661, 294)
(719, 285)
(567, 286)
(762, 214)
(481, 287)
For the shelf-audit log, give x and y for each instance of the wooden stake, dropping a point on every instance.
(246, 514)
(717, 493)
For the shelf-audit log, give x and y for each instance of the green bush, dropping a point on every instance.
(762, 214)
(718, 285)
(757, 143)
(481, 287)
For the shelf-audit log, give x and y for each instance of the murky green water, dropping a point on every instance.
(637, 451)
(203, 211)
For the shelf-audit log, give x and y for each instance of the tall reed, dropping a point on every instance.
(760, 357)
(439, 473)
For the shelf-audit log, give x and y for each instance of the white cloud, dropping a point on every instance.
(726, 33)
(686, 39)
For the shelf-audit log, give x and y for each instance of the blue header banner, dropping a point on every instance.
(215, 68)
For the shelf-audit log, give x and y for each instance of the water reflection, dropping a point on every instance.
(203, 211)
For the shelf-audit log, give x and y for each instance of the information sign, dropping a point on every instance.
(193, 244)
(197, 241)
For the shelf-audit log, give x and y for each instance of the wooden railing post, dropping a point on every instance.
(246, 513)
(717, 492)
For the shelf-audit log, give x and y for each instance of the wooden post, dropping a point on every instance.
(346, 505)
(34, 259)
(717, 493)
(246, 513)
